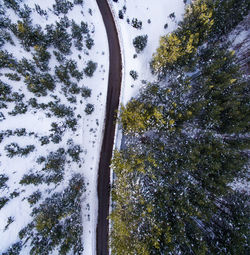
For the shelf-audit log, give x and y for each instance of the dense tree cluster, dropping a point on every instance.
(185, 142)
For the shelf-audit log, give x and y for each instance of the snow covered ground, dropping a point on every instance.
(156, 22)
(88, 133)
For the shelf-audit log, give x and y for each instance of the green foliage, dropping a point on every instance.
(13, 149)
(7, 60)
(86, 92)
(185, 142)
(14, 249)
(28, 179)
(3, 179)
(140, 42)
(89, 43)
(34, 198)
(9, 221)
(133, 74)
(41, 57)
(90, 68)
(136, 23)
(13, 76)
(58, 222)
(89, 108)
(3, 201)
(61, 110)
(62, 7)
(58, 36)
(39, 83)
(74, 151)
(28, 35)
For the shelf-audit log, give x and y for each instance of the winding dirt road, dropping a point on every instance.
(114, 87)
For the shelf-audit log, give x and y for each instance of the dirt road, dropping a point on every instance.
(114, 86)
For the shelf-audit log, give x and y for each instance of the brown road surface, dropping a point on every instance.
(114, 86)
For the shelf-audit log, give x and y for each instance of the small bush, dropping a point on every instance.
(89, 108)
(3, 201)
(133, 74)
(13, 76)
(140, 42)
(3, 179)
(34, 198)
(13, 149)
(172, 15)
(44, 140)
(15, 249)
(74, 151)
(136, 23)
(120, 14)
(61, 110)
(9, 221)
(90, 69)
(86, 92)
(89, 43)
(62, 6)
(35, 179)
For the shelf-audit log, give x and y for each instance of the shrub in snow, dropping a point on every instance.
(166, 26)
(136, 23)
(12, 76)
(76, 31)
(34, 198)
(90, 69)
(57, 224)
(31, 179)
(62, 6)
(61, 110)
(86, 92)
(9, 221)
(74, 152)
(55, 160)
(133, 74)
(20, 108)
(78, 1)
(14, 249)
(3, 201)
(172, 15)
(89, 108)
(89, 43)
(71, 123)
(59, 56)
(72, 67)
(20, 132)
(29, 36)
(84, 27)
(140, 42)
(41, 57)
(7, 60)
(44, 140)
(3, 179)
(5, 91)
(39, 83)
(59, 37)
(13, 149)
(40, 11)
(120, 14)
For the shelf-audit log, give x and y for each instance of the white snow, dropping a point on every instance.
(88, 135)
(157, 12)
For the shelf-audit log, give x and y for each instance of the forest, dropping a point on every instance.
(186, 141)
